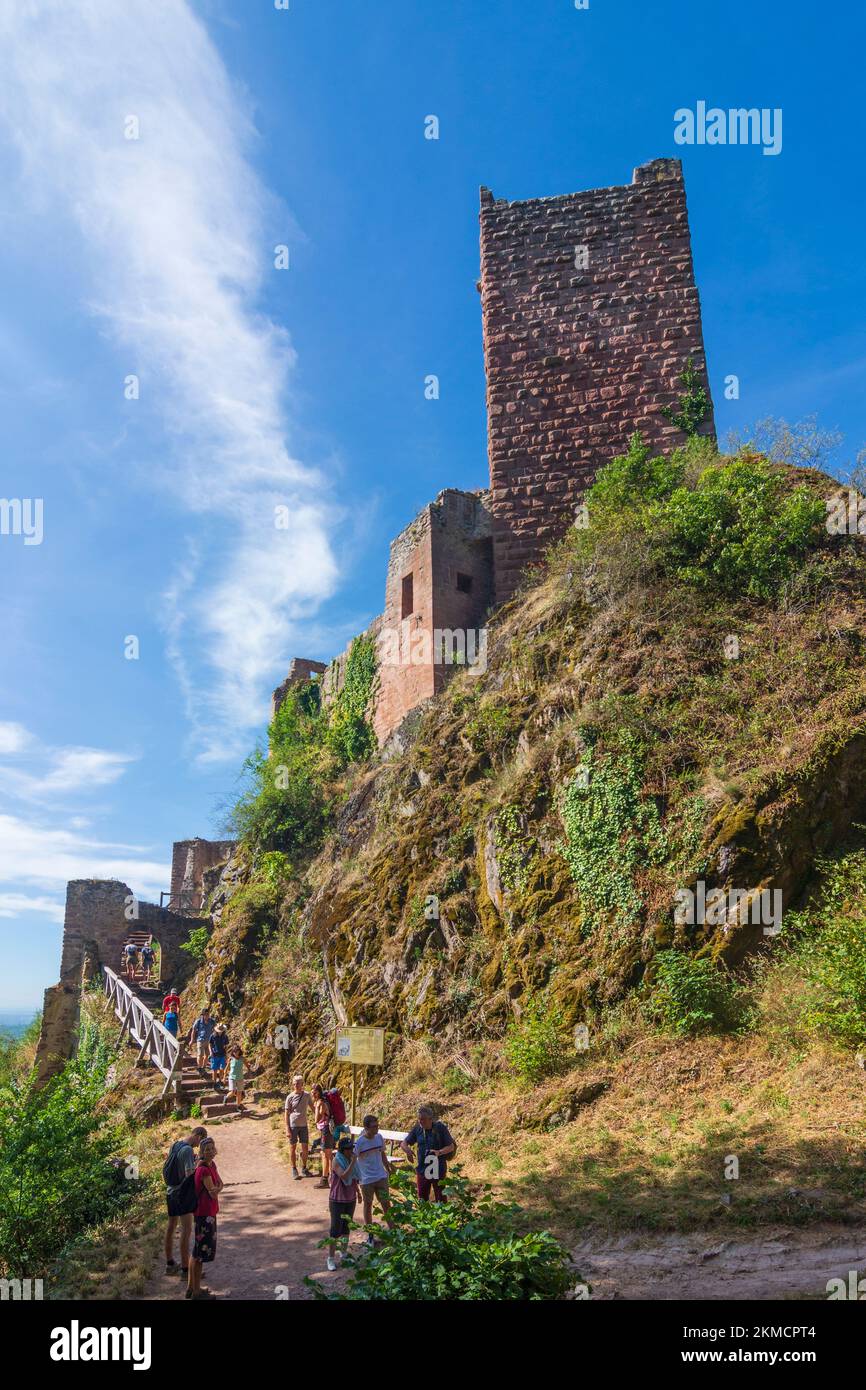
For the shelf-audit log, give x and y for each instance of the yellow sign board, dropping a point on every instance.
(364, 1047)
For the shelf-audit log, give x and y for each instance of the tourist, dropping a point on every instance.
(374, 1170)
(208, 1185)
(201, 1033)
(298, 1102)
(236, 1077)
(180, 1197)
(326, 1135)
(218, 1046)
(342, 1200)
(435, 1146)
(131, 953)
(148, 956)
(171, 1022)
(171, 1004)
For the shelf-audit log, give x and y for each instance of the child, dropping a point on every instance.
(342, 1200)
(218, 1046)
(236, 1077)
(170, 1022)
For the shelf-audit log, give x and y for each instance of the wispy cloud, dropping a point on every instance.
(41, 856)
(39, 786)
(178, 232)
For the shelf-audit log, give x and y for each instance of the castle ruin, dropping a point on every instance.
(590, 313)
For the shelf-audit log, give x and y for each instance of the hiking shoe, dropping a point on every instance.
(305, 1173)
(171, 1267)
(323, 1182)
(332, 1264)
(296, 1174)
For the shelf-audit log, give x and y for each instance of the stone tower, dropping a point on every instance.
(590, 313)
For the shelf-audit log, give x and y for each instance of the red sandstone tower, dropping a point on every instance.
(590, 313)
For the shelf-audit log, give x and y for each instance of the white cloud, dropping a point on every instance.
(13, 904)
(14, 738)
(179, 234)
(65, 771)
(45, 857)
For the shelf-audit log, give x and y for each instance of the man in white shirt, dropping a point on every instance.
(374, 1170)
(298, 1102)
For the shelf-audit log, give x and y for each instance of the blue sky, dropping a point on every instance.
(154, 257)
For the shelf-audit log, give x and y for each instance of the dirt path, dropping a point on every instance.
(269, 1225)
(780, 1262)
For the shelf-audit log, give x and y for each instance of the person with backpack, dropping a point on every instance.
(435, 1146)
(148, 956)
(208, 1186)
(131, 953)
(322, 1112)
(180, 1197)
(200, 1033)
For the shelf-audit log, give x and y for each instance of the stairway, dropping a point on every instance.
(197, 1086)
(139, 938)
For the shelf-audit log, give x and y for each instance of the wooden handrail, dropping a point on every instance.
(155, 1042)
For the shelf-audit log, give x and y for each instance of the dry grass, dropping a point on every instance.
(651, 1153)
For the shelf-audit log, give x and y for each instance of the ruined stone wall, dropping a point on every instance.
(440, 577)
(462, 556)
(100, 915)
(578, 358)
(189, 861)
(402, 682)
(300, 671)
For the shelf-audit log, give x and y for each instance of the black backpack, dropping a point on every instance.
(182, 1197)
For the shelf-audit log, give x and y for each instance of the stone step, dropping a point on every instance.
(215, 1111)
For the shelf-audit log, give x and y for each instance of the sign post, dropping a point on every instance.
(363, 1047)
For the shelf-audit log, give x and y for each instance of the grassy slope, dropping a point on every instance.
(744, 772)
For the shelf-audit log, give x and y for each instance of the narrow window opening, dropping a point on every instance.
(407, 603)
(464, 583)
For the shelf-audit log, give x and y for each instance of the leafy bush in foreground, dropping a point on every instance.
(55, 1175)
(465, 1249)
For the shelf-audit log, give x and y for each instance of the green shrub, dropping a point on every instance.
(284, 807)
(348, 732)
(465, 1249)
(693, 405)
(738, 529)
(728, 524)
(535, 1044)
(829, 952)
(196, 943)
(691, 994)
(55, 1175)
